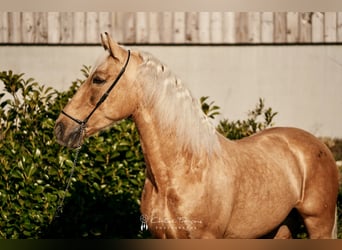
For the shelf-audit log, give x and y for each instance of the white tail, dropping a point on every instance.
(334, 231)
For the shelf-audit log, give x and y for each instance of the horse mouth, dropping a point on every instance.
(73, 139)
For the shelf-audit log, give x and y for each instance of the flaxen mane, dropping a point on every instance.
(173, 105)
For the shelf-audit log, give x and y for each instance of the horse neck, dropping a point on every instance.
(165, 157)
(175, 134)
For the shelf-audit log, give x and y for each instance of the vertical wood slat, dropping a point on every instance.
(267, 27)
(27, 27)
(317, 27)
(79, 27)
(142, 27)
(66, 28)
(330, 25)
(280, 25)
(92, 27)
(241, 27)
(154, 27)
(166, 27)
(129, 26)
(3, 27)
(14, 27)
(53, 33)
(229, 27)
(191, 27)
(292, 31)
(216, 28)
(339, 27)
(105, 22)
(305, 27)
(179, 27)
(204, 27)
(254, 27)
(118, 26)
(41, 27)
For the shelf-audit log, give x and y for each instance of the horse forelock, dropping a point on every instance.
(175, 107)
(101, 59)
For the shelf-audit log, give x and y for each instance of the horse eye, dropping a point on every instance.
(98, 80)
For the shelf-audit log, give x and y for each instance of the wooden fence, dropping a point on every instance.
(171, 27)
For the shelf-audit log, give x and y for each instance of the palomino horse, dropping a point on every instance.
(198, 183)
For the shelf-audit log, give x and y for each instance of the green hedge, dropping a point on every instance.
(103, 200)
(104, 197)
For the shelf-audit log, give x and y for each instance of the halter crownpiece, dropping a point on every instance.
(103, 97)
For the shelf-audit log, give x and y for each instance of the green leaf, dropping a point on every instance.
(23, 193)
(39, 190)
(68, 163)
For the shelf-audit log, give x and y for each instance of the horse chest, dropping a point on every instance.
(193, 213)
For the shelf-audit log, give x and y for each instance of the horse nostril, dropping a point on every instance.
(59, 130)
(74, 139)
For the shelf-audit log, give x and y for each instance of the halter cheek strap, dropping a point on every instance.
(103, 97)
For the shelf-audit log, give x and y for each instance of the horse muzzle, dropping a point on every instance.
(72, 139)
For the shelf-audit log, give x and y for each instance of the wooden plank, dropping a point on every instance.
(330, 27)
(66, 27)
(280, 27)
(216, 28)
(191, 27)
(92, 28)
(179, 27)
(27, 27)
(3, 27)
(318, 27)
(228, 27)
(241, 27)
(79, 28)
(292, 31)
(14, 27)
(105, 22)
(154, 19)
(305, 27)
(142, 29)
(339, 27)
(267, 27)
(129, 26)
(41, 24)
(254, 27)
(204, 27)
(118, 26)
(17, 27)
(53, 30)
(166, 27)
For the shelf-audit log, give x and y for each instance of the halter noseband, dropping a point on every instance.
(103, 97)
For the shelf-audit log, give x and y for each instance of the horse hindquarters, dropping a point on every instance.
(313, 172)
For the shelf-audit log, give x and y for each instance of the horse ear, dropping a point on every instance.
(104, 41)
(114, 49)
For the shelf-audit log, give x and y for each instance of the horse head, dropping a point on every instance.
(107, 95)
